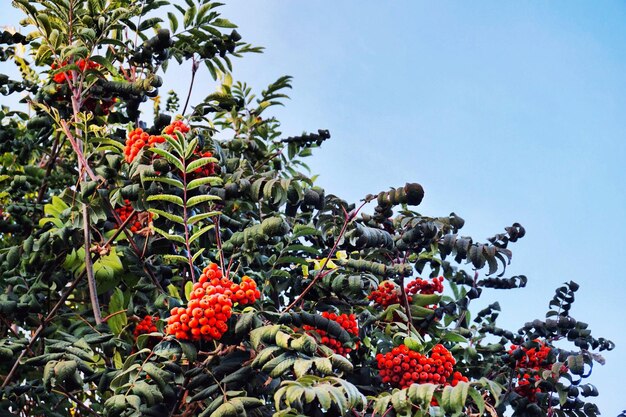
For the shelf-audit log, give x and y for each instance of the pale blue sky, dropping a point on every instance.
(503, 111)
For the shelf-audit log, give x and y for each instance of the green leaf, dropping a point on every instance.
(174, 143)
(304, 230)
(189, 15)
(422, 393)
(118, 321)
(195, 256)
(169, 157)
(478, 400)
(206, 180)
(223, 23)
(301, 367)
(454, 337)
(170, 181)
(195, 200)
(197, 217)
(200, 232)
(173, 217)
(176, 258)
(173, 22)
(199, 163)
(188, 290)
(169, 236)
(106, 64)
(174, 199)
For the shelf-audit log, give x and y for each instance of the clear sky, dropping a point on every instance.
(503, 111)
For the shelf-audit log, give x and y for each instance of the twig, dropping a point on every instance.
(348, 218)
(77, 401)
(79, 153)
(91, 280)
(194, 69)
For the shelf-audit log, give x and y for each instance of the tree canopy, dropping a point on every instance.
(168, 258)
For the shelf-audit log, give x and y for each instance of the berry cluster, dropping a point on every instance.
(210, 306)
(388, 292)
(176, 126)
(530, 363)
(246, 292)
(423, 286)
(83, 65)
(146, 325)
(402, 367)
(348, 322)
(137, 139)
(141, 221)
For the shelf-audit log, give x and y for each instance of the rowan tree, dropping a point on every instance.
(166, 258)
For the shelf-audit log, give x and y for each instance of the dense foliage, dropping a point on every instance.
(188, 265)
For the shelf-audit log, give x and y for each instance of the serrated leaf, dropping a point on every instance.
(301, 367)
(165, 180)
(223, 23)
(199, 163)
(478, 400)
(174, 143)
(173, 217)
(189, 15)
(169, 236)
(169, 157)
(323, 365)
(282, 367)
(195, 256)
(174, 199)
(195, 200)
(197, 217)
(200, 232)
(173, 22)
(341, 362)
(118, 321)
(176, 258)
(422, 393)
(205, 180)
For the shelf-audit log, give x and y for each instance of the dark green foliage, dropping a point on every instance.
(92, 241)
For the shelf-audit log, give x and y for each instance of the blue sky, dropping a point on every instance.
(503, 111)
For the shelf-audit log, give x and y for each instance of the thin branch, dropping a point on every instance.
(91, 280)
(194, 69)
(321, 274)
(79, 153)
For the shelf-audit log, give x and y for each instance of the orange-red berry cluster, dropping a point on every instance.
(141, 219)
(348, 322)
(424, 286)
(137, 139)
(246, 292)
(83, 65)
(388, 292)
(146, 325)
(402, 367)
(210, 306)
(176, 126)
(535, 359)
